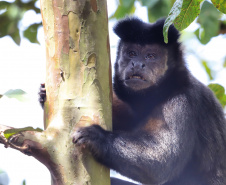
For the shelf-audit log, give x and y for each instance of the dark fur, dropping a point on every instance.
(172, 133)
(135, 31)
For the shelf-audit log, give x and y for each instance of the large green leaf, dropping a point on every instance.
(182, 14)
(158, 10)
(209, 21)
(8, 133)
(220, 5)
(219, 92)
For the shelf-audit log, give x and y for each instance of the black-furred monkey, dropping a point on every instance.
(168, 128)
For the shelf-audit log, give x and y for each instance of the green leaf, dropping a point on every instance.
(8, 133)
(149, 3)
(219, 92)
(158, 10)
(16, 93)
(220, 5)
(24, 182)
(224, 65)
(209, 21)
(31, 33)
(4, 5)
(1, 95)
(16, 36)
(182, 14)
(208, 70)
(174, 12)
(190, 10)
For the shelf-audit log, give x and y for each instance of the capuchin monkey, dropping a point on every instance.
(168, 128)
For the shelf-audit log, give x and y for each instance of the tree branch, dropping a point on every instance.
(34, 144)
(25, 141)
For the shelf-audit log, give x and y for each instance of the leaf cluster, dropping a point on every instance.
(11, 13)
(184, 12)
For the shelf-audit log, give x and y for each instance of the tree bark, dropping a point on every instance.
(78, 88)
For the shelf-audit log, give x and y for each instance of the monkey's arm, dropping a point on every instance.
(143, 155)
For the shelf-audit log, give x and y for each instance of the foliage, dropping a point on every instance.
(8, 133)
(124, 8)
(11, 13)
(184, 12)
(4, 178)
(219, 92)
(208, 70)
(15, 93)
(158, 9)
(181, 13)
(209, 23)
(220, 5)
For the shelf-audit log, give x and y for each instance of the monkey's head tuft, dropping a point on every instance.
(134, 30)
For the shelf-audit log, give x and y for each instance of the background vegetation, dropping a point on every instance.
(210, 24)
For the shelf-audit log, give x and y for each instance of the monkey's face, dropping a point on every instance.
(142, 66)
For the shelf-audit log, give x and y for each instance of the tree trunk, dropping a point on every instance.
(78, 88)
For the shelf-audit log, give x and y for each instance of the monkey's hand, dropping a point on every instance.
(94, 138)
(42, 94)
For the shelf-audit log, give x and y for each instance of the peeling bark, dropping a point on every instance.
(78, 83)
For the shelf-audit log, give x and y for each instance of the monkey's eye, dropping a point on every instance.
(150, 56)
(132, 54)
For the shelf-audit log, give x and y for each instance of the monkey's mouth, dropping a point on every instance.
(136, 76)
(136, 82)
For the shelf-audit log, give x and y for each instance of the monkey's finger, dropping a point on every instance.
(42, 85)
